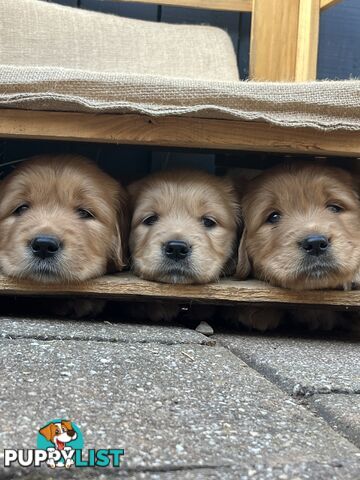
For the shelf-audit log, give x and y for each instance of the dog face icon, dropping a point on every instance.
(59, 433)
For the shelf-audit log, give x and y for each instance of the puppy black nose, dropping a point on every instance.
(315, 244)
(45, 246)
(177, 250)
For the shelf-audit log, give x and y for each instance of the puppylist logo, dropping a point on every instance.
(60, 444)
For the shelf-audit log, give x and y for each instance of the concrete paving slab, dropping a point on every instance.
(301, 366)
(60, 329)
(175, 409)
(341, 411)
(303, 471)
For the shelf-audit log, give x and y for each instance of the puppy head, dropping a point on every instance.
(61, 219)
(302, 227)
(184, 226)
(59, 433)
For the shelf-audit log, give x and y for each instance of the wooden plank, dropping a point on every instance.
(176, 132)
(308, 40)
(324, 4)
(229, 5)
(273, 46)
(127, 286)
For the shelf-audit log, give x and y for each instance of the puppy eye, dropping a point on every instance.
(21, 209)
(274, 217)
(208, 222)
(83, 213)
(334, 208)
(150, 220)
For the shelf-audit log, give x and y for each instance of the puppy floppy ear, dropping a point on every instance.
(356, 183)
(119, 254)
(134, 190)
(243, 267)
(67, 424)
(48, 432)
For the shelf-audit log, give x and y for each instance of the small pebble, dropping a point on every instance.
(205, 329)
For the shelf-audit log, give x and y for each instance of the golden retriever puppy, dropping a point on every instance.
(302, 230)
(61, 220)
(184, 228)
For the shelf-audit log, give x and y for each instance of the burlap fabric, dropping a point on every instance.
(325, 105)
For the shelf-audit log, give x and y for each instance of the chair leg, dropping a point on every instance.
(284, 40)
(308, 40)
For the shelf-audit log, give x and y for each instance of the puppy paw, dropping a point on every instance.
(51, 462)
(69, 463)
(260, 319)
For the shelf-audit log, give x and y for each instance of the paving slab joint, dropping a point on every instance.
(300, 390)
(51, 338)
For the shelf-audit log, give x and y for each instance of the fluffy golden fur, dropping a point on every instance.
(282, 207)
(193, 207)
(287, 204)
(69, 199)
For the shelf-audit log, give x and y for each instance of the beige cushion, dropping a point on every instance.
(33, 32)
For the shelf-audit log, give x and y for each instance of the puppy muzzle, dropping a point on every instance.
(318, 267)
(317, 258)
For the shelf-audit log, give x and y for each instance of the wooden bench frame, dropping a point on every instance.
(284, 34)
(284, 40)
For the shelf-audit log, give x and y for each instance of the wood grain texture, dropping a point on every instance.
(229, 5)
(126, 286)
(308, 40)
(274, 32)
(175, 132)
(328, 3)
